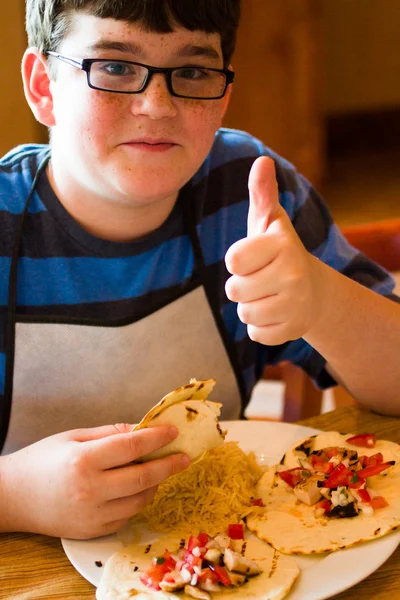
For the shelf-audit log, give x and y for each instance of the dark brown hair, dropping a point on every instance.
(48, 21)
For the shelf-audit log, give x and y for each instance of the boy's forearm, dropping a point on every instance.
(358, 332)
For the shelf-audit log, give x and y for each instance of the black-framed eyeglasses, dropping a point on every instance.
(126, 77)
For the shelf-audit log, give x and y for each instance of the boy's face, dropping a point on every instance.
(109, 143)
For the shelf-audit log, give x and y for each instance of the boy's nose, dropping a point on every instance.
(155, 101)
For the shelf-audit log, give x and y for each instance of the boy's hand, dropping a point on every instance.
(274, 279)
(79, 484)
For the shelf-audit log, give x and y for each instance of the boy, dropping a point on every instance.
(113, 285)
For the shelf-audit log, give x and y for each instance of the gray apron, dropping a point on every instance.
(63, 375)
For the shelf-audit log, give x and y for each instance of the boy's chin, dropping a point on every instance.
(149, 187)
(145, 194)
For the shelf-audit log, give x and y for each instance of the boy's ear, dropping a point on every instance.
(36, 81)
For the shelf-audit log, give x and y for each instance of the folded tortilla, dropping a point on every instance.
(291, 526)
(120, 580)
(195, 417)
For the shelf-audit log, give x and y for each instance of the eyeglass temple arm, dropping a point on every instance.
(66, 59)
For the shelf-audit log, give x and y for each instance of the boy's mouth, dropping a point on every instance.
(151, 145)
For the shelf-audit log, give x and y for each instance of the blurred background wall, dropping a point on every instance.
(17, 124)
(317, 80)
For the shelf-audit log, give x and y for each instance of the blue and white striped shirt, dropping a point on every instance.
(65, 273)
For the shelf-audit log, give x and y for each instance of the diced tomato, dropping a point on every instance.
(203, 539)
(148, 581)
(317, 459)
(375, 470)
(152, 577)
(191, 560)
(331, 451)
(339, 476)
(258, 502)
(328, 467)
(208, 574)
(221, 573)
(192, 543)
(321, 465)
(371, 461)
(293, 476)
(364, 496)
(169, 561)
(324, 504)
(354, 481)
(165, 562)
(169, 578)
(160, 567)
(378, 502)
(236, 531)
(366, 440)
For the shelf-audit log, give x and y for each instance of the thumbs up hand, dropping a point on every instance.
(274, 279)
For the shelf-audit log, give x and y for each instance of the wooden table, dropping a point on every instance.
(35, 566)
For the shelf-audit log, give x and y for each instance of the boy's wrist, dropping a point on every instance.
(4, 495)
(327, 288)
(10, 517)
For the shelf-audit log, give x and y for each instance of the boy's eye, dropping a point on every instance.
(192, 73)
(117, 68)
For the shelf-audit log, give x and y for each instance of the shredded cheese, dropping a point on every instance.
(208, 496)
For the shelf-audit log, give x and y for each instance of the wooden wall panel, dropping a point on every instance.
(362, 55)
(277, 94)
(17, 124)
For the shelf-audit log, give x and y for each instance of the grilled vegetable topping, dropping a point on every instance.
(204, 565)
(334, 480)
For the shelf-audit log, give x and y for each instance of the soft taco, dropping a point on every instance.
(329, 492)
(200, 567)
(195, 417)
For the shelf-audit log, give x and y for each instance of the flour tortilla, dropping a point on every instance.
(291, 526)
(121, 582)
(195, 417)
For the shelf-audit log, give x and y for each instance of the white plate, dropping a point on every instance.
(321, 576)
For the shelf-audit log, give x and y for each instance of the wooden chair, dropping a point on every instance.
(380, 241)
(302, 399)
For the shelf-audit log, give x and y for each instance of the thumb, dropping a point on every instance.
(264, 199)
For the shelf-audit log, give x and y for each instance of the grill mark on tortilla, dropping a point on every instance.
(147, 549)
(243, 548)
(191, 413)
(182, 543)
(377, 531)
(274, 566)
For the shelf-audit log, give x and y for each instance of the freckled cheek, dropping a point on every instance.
(203, 123)
(101, 118)
(106, 108)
